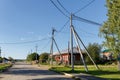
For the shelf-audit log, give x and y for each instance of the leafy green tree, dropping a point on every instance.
(10, 58)
(111, 28)
(94, 50)
(44, 57)
(32, 57)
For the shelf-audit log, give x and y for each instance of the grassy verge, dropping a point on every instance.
(3, 67)
(109, 72)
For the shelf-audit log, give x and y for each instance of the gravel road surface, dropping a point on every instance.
(23, 71)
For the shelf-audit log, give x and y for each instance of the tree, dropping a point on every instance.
(94, 50)
(10, 58)
(44, 57)
(1, 59)
(111, 28)
(32, 57)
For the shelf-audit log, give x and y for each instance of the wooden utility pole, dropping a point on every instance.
(69, 53)
(71, 43)
(51, 50)
(86, 49)
(79, 49)
(74, 34)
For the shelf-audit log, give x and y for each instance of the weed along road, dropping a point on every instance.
(23, 71)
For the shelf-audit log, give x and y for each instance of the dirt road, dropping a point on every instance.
(23, 71)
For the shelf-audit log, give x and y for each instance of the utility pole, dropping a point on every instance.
(78, 45)
(69, 53)
(71, 43)
(77, 39)
(51, 50)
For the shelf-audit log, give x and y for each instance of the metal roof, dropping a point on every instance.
(106, 50)
(75, 51)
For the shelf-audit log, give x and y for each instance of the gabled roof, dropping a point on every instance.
(75, 51)
(106, 50)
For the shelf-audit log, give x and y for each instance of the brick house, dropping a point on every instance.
(66, 56)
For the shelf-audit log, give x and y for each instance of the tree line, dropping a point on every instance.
(42, 58)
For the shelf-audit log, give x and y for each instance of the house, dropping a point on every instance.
(107, 54)
(66, 56)
(5, 60)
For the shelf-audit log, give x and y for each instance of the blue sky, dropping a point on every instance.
(31, 20)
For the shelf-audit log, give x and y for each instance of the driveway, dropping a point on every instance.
(23, 71)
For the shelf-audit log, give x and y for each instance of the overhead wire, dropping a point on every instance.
(26, 41)
(63, 7)
(58, 8)
(60, 30)
(84, 7)
(84, 31)
(63, 26)
(76, 17)
(46, 45)
(85, 20)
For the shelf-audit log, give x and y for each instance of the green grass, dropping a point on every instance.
(4, 66)
(108, 71)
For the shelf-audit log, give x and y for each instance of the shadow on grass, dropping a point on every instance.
(91, 72)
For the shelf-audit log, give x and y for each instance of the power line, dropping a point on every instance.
(58, 8)
(63, 26)
(26, 41)
(87, 32)
(46, 45)
(84, 7)
(59, 31)
(63, 7)
(87, 21)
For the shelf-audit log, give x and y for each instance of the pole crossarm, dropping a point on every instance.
(71, 44)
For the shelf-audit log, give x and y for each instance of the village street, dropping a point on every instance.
(23, 71)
